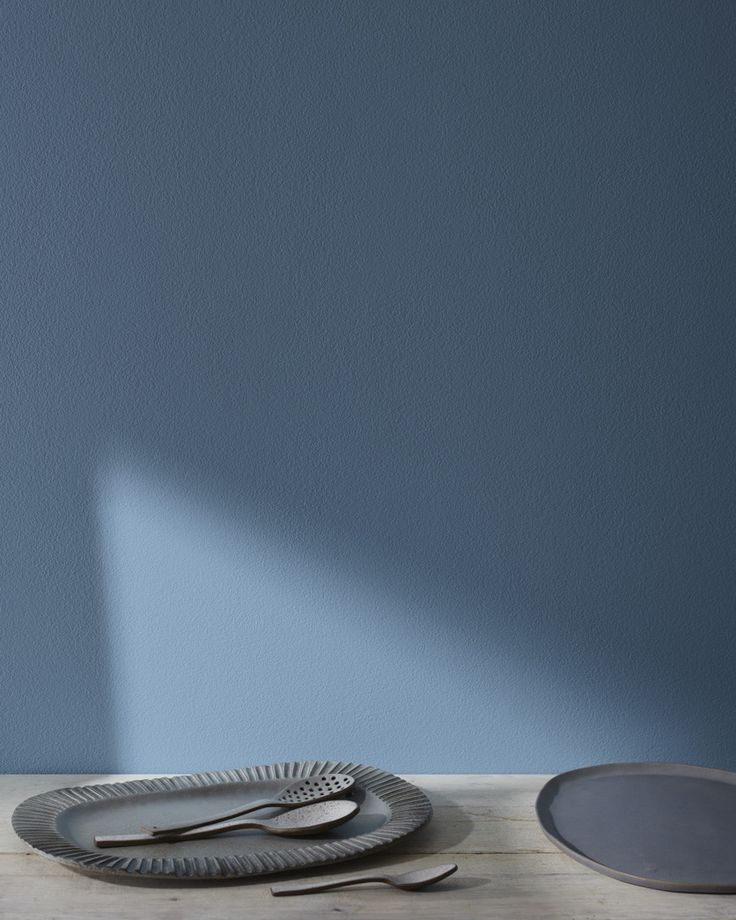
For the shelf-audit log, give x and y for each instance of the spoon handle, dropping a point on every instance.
(198, 833)
(164, 830)
(284, 888)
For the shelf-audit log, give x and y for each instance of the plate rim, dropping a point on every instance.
(35, 821)
(619, 768)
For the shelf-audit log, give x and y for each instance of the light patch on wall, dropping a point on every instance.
(230, 646)
(234, 640)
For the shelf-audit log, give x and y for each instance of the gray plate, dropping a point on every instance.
(661, 825)
(62, 824)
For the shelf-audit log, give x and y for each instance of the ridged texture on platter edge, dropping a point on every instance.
(34, 820)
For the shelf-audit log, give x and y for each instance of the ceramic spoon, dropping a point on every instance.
(407, 881)
(302, 792)
(308, 820)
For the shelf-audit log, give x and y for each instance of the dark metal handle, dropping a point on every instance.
(284, 888)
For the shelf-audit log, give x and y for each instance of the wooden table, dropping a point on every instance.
(484, 823)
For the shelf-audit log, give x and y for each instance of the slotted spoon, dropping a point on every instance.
(407, 881)
(304, 791)
(307, 820)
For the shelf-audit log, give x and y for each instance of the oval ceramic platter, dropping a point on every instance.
(62, 823)
(661, 825)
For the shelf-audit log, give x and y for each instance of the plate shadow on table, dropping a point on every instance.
(380, 862)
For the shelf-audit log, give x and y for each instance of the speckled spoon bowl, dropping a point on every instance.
(306, 821)
(303, 792)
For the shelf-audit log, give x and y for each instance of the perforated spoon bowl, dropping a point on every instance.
(307, 820)
(303, 791)
(407, 881)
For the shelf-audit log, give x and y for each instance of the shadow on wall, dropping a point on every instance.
(409, 326)
(56, 708)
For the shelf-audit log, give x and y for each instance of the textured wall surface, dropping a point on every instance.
(367, 384)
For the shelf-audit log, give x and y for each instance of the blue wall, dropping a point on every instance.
(367, 384)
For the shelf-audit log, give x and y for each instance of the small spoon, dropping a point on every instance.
(302, 792)
(308, 820)
(407, 881)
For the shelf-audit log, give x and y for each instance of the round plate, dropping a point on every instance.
(62, 823)
(661, 825)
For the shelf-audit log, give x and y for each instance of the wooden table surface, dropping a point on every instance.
(484, 823)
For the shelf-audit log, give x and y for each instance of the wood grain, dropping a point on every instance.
(507, 869)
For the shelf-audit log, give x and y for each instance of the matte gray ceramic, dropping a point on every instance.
(661, 825)
(63, 823)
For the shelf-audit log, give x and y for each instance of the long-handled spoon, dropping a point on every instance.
(301, 792)
(407, 881)
(310, 819)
